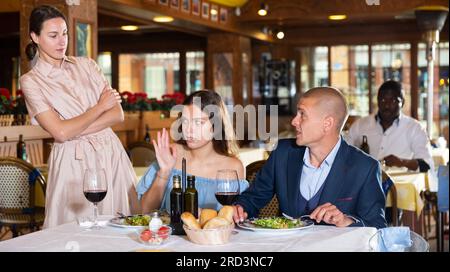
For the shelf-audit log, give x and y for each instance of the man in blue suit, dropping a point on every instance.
(318, 173)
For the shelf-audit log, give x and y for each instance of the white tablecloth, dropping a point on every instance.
(71, 237)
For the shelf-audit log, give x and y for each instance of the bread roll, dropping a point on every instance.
(206, 215)
(190, 221)
(227, 213)
(216, 222)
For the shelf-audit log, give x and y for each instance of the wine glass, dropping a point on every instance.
(94, 189)
(227, 187)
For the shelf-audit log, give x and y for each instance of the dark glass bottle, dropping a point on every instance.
(147, 134)
(191, 197)
(365, 146)
(176, 205)
(21, 149)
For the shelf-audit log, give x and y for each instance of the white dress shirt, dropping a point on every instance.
(405, 138)
(313, 177)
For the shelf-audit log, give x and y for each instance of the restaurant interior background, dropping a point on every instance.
(164, 47)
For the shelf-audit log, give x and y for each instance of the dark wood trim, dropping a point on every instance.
(183, 71)
(329, 66)
(369, 81)
(115, 70)
(414, 81)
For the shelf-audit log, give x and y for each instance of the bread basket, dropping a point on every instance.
(217, 236)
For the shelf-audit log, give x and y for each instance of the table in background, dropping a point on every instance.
(409, 185)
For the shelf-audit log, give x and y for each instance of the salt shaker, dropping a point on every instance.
(155, 222)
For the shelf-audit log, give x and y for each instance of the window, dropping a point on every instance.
(195, 71)
(350, 74)
(392, 62)
(155, 73)
(314, 67)
(441, 85)
(104, 62)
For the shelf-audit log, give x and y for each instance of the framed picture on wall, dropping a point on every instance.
(214, 13)
(196, 7)
(83, 39)
(186, 5)
(163, 2)
(205, 10)
(175, 4)
(223, 15)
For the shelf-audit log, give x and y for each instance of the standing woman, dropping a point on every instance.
(70, 98)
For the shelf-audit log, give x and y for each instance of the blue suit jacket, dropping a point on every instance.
(353, 184)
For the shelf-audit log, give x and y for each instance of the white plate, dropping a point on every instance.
(247, 224)
(120, 223)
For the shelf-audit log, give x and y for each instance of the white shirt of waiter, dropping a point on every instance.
(405, 138)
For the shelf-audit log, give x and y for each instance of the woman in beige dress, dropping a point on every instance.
(70, 98)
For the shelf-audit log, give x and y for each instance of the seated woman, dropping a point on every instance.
(206, 147)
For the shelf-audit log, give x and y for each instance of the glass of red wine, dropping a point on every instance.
(94, 189)
(227, 188)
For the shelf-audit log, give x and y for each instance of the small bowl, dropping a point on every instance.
(157, 238)
(217, 236)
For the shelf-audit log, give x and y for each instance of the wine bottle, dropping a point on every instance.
(147, 134)
(365, 146)
(191, 197)
(176, 206)
(21, 149)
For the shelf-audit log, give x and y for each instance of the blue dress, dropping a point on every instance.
(205, 187)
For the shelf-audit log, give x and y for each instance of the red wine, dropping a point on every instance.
(95, 196)
(226, 198)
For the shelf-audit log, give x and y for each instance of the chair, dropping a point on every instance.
(392, 214)
(141, 154)
(273, 207)
(17, 195)
(442, 205)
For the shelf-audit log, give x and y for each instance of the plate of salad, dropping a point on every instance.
(276, 224)
(137, 221)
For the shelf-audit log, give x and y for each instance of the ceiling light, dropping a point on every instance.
(129, 28)
(214, 12)
(263, 10)
(337, 17)
(163, 19)
(280, 35)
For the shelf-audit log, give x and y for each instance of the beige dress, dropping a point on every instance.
(71, 90)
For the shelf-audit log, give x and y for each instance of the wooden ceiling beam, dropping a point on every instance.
(315, 11)
(146, 10)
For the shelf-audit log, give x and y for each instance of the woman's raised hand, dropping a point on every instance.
(166, 154)
(109, 99)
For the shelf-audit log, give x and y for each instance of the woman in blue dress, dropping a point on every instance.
(207, 142)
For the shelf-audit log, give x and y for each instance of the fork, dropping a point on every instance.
(121, 215)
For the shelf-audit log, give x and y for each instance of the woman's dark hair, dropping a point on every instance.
(37, 18)
(225, 143)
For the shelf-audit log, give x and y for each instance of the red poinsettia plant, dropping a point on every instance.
(140, 102)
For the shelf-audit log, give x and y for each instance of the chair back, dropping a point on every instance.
(17, 186)
(443, 191)
(272, 208)
(142, 154)
(390, 191)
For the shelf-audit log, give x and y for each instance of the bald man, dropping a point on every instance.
(318, 173)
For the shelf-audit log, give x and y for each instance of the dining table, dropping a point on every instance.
(74, 237)
(409, 186)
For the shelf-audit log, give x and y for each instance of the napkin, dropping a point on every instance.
(87, 223)
(394, 239)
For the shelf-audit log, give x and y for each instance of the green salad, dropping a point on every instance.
(144, 219)
(137, 220)
(278, 223)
